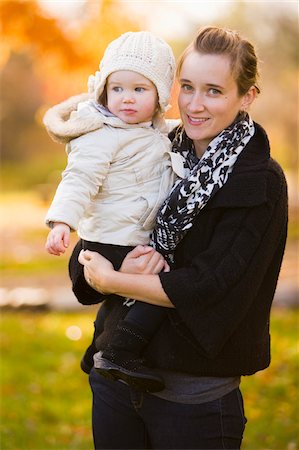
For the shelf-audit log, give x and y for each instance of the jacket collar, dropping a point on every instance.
(78, 115)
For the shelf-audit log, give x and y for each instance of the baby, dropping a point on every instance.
(120, 169)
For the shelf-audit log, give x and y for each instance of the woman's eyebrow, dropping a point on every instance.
(184, 80)
(214, 85)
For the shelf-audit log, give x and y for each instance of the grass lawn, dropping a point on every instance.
(45, 398)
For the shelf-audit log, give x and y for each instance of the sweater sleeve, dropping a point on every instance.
(213, 294)
(89, 159)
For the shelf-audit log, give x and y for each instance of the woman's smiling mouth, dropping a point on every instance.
(196, 120)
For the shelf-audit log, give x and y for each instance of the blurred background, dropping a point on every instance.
(47, 51)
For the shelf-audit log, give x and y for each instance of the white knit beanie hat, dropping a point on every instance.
(140, 52)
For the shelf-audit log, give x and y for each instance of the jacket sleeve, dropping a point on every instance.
(89, 159)
(213, 294)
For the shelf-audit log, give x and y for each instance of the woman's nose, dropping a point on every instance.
(196, 102)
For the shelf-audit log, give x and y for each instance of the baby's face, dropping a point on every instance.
(131, 97)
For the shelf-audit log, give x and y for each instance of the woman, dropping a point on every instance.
(225, 226)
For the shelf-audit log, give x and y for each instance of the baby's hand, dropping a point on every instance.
(58, 239)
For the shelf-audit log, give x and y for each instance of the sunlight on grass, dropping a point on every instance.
(271, 396)
(45, 398)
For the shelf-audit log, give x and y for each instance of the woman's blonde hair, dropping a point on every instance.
(222, 41)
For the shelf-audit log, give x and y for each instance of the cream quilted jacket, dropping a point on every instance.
(117, 175)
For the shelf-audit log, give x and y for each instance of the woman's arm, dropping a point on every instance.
(100, 274)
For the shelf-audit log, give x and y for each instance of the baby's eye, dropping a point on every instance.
(139, 89)
(117, 89)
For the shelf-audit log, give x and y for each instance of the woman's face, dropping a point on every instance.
(208, 98)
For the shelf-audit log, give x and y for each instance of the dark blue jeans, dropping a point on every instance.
(126, 419)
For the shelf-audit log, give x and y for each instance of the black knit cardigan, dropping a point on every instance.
(225, 275)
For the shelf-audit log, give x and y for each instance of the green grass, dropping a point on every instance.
(271, 396)
(45, 398)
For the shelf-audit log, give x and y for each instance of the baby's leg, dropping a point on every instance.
(121, 359)
(145, 317)
(84, 293)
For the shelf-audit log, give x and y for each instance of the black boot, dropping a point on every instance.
(121, 360)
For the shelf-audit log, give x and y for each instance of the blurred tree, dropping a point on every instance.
(44, 62)
(56, 50)
(21, 96)
(26, 30)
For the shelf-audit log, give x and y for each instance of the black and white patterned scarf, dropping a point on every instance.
(204, 178)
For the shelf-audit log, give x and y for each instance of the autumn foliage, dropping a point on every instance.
(44, 60)
(62, 57)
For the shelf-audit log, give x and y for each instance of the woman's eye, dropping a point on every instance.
(186, 87)
(139, 89)
(214, 91)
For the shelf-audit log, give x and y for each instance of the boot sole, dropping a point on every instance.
(138, 381)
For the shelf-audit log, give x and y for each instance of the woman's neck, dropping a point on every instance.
(200, 148)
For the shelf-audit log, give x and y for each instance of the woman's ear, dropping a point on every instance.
(248, 98)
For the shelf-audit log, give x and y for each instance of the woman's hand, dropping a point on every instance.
(96, 269)
(146, 287)
(143, 259)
